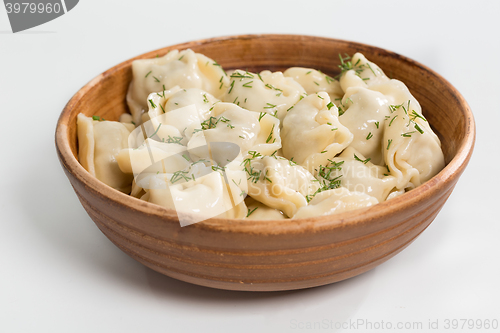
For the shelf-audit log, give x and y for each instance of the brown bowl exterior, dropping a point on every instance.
(270, 255)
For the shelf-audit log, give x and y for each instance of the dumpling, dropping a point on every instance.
(335, 201)
(409, 147)
(167, 123)
(366, 74)
(249, 130)
(411, 150)
(314, 81)
(156, 131)
(99, 144)
(355, 172)
(258, 211)
(185, 69)
(265, 92)
(364, 115)
(279, 183)
(199, 191)
(174, 169)
(199, 199)
(312, 133)
(359, 72)
(136, 160)
(178, 113)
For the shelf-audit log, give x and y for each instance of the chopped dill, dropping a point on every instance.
(363, 161)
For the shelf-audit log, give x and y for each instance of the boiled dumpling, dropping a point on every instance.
(249, 130)
(186, 69)
(279, 183)
(312, 133)
(136, 160)
(365, 112)
(99, 144)
(169, 122)
(258, 211)
(411, 150)
(335, 201)
(200, 191)
(196, 200)
(355, 172)
(359, 72)
(264, 92)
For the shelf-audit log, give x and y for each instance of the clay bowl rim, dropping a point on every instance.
(445, 178)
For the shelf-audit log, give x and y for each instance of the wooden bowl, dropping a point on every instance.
(270, 255)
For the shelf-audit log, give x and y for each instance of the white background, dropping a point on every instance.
(60, 274)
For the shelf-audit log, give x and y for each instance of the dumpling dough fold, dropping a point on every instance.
(99, 144)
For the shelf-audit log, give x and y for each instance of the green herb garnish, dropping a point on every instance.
(251, 211)
(363, 161)
(156, 131)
